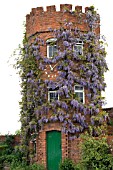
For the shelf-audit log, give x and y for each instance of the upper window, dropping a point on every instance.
(79, 93)
(51, 50)
(78, 48)
(52, 96)
(51, 47)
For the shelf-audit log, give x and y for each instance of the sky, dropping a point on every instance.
(12, 17)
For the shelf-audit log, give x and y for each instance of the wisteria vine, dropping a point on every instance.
(86, 70)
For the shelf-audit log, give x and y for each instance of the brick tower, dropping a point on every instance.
(65, 43)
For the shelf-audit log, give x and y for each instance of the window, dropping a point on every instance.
(51, 47)
(52, 95)
(78, 48)
(79, 93)
(51, 50)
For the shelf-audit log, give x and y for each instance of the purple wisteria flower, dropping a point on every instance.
(64, 105)
(61, 118)
(97, 110)
(72, 137)
(40, 121)
(44, 119)
(53, 118)
(30, 73)
(65, 43)
(74, 103)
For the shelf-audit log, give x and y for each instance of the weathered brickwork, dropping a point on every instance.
(41, 142)
(38, 22)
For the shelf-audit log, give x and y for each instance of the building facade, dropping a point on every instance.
(62, 81)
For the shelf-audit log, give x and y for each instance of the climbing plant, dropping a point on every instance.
(86, 69)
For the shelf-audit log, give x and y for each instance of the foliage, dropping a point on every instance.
(9, 152)
(2, 148)
(95, 154)
(6, 150)
(13, 157)
(67, 164)
(37, 167)
(9, 142)
(18, 132)
(86, 69)
(23, 166)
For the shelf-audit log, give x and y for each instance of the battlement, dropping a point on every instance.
(40, 21)
(63, 7)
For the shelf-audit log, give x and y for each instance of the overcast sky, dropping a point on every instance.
(12, 16)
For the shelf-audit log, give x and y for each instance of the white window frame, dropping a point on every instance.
(79, 91)
(78, 44)
(50, 91)
(48, 45)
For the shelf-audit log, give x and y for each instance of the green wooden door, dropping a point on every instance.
(54, 154)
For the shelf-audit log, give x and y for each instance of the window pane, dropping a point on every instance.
(78, 87)
(50, 51)
(53, 96)
(54, 49)
(79, 93)
(79, 96)
(78, 49)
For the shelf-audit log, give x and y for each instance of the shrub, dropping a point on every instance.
(18, 165)
(95, 155)
(37, 167)
(6, 150)
(67, 164)
(23, 166)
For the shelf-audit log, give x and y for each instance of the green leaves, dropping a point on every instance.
(67, 164)
(96, 154)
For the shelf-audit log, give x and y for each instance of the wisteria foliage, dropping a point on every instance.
(86, 70)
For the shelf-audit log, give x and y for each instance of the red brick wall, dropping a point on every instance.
(70, 148)
(41, 142)
(74, 148)
(39, 21)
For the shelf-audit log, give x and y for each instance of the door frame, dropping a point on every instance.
(41, 142)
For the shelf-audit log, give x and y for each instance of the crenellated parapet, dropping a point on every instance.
(40, 21)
